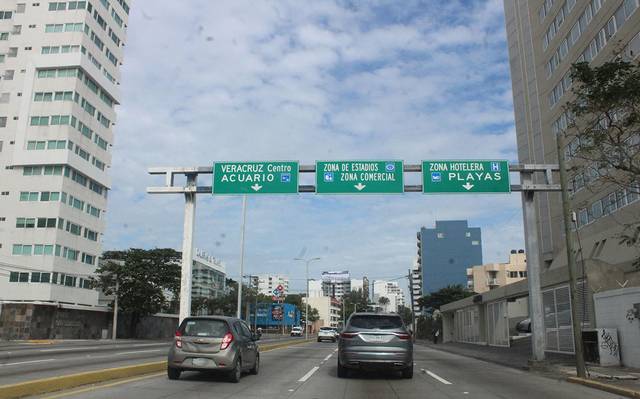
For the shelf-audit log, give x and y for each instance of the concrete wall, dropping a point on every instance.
(614, 309)
(33, 321)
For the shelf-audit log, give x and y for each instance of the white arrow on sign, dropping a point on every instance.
(468, 186)
(256, 187)
(360, 186)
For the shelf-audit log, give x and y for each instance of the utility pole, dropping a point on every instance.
(571, 262)
(244, 219)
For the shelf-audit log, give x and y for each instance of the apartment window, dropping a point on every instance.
(57, 6)
(4, 98)
(18, 277)
(39, 121)
(20, 7)
(22, 250)
(5, 14)
(596, 209)
(77, 5)
(3, 121)
(29, 196)
(440, 235)
(8, 74)
(475, 242)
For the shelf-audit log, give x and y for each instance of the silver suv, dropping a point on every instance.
(214, 343)
(375, 341)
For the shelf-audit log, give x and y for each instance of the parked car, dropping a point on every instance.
(296, 331)
(327, 334)
(214, 343)
(524, 326)
(375, 341)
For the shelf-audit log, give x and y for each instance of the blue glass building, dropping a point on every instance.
(446, 252)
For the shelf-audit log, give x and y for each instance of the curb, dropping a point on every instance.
(605, 387)
(61, 383)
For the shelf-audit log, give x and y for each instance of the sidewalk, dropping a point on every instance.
(557, 365)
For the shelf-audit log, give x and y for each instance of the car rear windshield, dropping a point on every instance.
(204, 328)
(326, 329)
(376, 322)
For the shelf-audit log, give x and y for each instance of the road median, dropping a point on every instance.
(61, 383)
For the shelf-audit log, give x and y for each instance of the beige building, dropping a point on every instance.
(545, 37)
(493, 275)
(328, 310)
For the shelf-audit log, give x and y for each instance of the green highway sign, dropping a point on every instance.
(464, 176)
(255, 178)
(359, 177)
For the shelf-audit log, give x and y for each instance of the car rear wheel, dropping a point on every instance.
(236, 373)
(256, 366)
(173, 373)
(342, 371)
(408, 372)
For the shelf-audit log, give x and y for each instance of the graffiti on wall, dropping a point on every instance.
(609, 343)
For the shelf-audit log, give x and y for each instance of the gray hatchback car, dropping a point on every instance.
(375, 341)
(214, 343)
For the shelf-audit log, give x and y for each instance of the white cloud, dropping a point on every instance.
(234, 80)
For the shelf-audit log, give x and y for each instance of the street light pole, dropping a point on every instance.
(306, 314)
(244, 219)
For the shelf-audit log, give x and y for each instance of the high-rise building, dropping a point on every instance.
(209, 277)
(545, 38)
(60, 76)
(483, 278)
(445, 253)
(267, 283)
(390, 290)
(336, 284)
(315, 288)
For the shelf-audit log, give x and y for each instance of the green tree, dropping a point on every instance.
(354, 300)
(443, 296)
(603, 134)
(143, 277)
(383, 301)
(406, 314)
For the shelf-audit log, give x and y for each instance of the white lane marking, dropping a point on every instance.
(70, 349)
(309, 374)
(437, 377)
(145, 351)
(328, 357)
(30, 361)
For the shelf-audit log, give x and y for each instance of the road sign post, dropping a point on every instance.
(271, 177)
(465, 176)
(359, 177)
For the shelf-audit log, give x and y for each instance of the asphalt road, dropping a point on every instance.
(21, 361)
(309, 371)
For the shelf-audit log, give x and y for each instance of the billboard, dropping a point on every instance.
(336, 277)
(276, 312)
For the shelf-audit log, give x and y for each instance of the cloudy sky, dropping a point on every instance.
(306, 81)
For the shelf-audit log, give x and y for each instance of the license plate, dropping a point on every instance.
(376, 338)
(201, 362)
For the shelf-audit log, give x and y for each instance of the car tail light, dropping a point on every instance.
(403, 335)
(178, 339)
(226, 341)
(347, 335)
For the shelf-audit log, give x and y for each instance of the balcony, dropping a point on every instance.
(492, 282)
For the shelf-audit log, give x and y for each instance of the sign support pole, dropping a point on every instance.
(533, 269)
(187, 246)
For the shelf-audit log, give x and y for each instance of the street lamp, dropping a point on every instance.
(306, 314)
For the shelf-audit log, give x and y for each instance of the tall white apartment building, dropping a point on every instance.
(59, 84)
(390, 290)
(269, 282)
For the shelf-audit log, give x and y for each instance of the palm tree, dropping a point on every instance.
(383, 301)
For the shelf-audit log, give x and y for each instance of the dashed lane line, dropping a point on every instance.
(27, 362)
(437, 377)
(309, 374)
